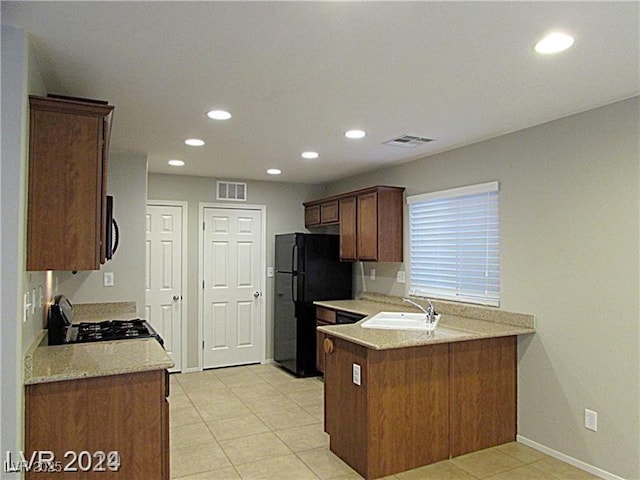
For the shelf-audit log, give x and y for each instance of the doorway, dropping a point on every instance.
(165, 275)
(232, 268)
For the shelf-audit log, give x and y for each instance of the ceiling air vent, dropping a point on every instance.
(232, 191)
(408, 141)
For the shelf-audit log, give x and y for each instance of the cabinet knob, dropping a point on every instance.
(328, 346)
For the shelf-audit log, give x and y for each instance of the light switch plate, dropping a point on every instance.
(372, 274)
(269, 272)
(590, 420)
(107, 279)
(400, 276)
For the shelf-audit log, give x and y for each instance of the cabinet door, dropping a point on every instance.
(312, 215)
(367, 232)
(132, 412)
(67, 184)
(348, 229)
(329, 212)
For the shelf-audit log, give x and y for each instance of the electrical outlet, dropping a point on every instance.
(590, 420)
(26, 306)
(356, 374)
(372, 274)
(400, 276)
(107, 279)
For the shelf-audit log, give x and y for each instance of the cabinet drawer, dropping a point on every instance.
(326, 314)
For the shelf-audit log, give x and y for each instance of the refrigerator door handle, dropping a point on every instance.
(294, 259)
(294, 288)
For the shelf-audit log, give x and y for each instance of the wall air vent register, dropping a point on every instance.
(233, 191)
(407, 141)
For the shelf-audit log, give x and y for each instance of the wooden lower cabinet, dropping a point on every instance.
(320, 355)
(483, 394)
(128, 414)
(418, 405)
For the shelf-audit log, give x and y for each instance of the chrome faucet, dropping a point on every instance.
(432, 316)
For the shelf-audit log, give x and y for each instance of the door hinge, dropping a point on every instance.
(203, 284)
(203, 226)
(203, 344)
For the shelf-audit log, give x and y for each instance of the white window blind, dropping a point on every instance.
(454, 244)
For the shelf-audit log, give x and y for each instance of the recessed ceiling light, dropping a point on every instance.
(218, 115)
(194, 142)
(355, 134)
(274, 171)
(176, 163)
(554, 43)
(310, 155)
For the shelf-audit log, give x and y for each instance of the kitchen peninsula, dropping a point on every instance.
(399, 399)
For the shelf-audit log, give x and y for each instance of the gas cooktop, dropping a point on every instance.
(110, 330)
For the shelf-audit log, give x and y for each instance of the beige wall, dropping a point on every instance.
(569, 226)
(284, 214)
(127, 183)
(20, 77)
(33, 282)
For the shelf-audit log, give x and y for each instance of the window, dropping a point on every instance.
(454, 244)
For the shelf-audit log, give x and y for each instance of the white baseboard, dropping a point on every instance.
(191, 370)
(567, 459)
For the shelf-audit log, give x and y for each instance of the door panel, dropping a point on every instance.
(163, 276)
(232, 315)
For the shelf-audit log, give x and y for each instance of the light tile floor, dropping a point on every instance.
(258, 422)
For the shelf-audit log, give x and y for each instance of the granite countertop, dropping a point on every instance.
(44, 363)
(469, 322)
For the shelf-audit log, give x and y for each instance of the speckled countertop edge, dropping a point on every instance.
(98, 359)
(488, 323)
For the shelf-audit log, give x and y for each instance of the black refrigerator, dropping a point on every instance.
(307, 269)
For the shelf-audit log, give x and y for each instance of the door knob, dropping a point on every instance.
(257, 294)
(176, 298)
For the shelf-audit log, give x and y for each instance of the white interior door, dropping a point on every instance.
(164, 276)
(232, 287)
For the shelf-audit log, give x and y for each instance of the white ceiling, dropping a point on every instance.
(296, 75)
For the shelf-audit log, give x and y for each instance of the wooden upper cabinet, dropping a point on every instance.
(367, 231)
(377, 225)
(329, 212)
(370, 222)
(348, 226)
(312, 215)
(68, 145)
(321, 213)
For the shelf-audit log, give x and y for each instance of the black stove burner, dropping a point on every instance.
(110, 330)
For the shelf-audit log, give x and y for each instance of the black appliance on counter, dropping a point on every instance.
(61, 330)
(307, 269)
